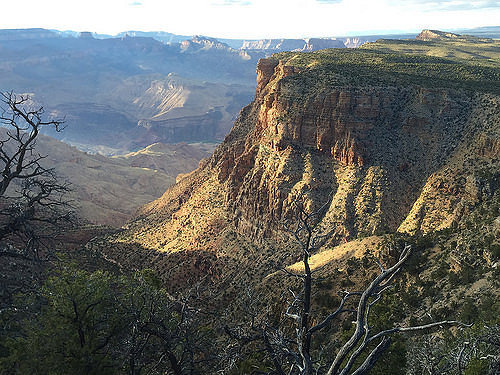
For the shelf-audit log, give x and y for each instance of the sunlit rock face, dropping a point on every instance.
(370, 152)
(381, 154)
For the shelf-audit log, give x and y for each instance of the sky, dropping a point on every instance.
(251, 19)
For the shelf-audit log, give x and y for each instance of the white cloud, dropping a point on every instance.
(449, 4)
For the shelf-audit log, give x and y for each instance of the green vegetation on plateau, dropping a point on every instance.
(464, 63)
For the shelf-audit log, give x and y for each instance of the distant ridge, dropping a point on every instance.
(436, 34)
(263, 45)
(429, 35)
(23, 34)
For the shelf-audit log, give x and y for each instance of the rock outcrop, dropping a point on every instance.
(369, 151)
(381, 155)
(428, 35)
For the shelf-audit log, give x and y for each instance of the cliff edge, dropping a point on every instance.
(390, 142)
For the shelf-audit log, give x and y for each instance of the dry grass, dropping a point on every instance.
(356, 248)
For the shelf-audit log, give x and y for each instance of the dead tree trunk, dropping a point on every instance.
(363, 339)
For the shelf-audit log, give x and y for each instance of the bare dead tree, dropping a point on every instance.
(305, 234)
(168, 329)
(432, 355)
(17, 151)
(33, 200)
(363, 339)
(361, 351)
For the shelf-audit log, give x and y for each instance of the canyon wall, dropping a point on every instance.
(368, 150)
(381, 158)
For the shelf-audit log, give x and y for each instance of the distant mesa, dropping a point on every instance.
(428, 35)
(431, 35)
(26, 34)
(314, 44)
(436, 35)
(86, 35)
(162, 36)
(202, 42)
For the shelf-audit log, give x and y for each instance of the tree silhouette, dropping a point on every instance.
(296, 354)
(33, 202)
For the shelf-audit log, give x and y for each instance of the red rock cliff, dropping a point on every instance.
(365, 150)
(372, 147)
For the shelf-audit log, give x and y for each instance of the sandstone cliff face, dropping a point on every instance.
(469, 177)
(382, 157)
(367, 150)
(428, 35)
(372, 154)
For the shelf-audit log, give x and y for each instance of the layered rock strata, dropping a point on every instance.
(381, 158)
(368, 151)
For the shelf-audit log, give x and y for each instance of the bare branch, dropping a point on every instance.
(23, 127)
(334, 314)
(424, 327)
(36, 212)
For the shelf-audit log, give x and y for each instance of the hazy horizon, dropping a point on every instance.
(253, 19)
(347, 35)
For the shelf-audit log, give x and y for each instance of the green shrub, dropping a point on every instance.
(468, 311)
(477, 367)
